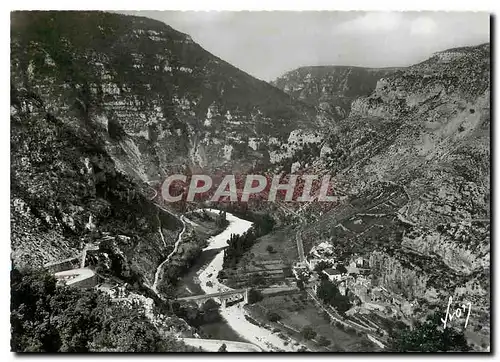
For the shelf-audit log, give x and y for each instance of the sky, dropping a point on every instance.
(266, 44)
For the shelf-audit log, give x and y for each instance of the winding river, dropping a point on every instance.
(205, 277)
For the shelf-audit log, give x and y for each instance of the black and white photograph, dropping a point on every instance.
(250, 181)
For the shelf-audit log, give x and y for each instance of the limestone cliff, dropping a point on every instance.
(156, 100)
(331, 88)
(102, 103)
(414, 159)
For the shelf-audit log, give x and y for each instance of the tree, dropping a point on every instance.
(322, 276)
(273, 317)
(308, 333)
(254, 296)
(270, 249)
(428, 336)
(256, 280)
(303, 275)
(300, 284)
(223, 348)
(220, 220)
(342, 269)
(209, 305)
(50, 318)
(323, 341)
(322, 265)
(330, 294)
(221, 275)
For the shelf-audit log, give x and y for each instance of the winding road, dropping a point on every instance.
(213, 345)
(300, 246)
(259, 338)
(177, 242)
(176, 246)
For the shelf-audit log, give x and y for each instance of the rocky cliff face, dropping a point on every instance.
(438, 115)
(66, 192)
(101, 102)
(155, 98)
(331, 88)
(414, 158)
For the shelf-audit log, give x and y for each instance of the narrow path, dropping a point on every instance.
(213, 345)
(176, 246)
(376, 341)
(84, 253)
(177, 242)
(300, 246)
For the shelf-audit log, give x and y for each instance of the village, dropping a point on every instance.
(359, 303)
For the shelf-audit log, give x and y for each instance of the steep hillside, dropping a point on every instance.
(102, 104)
(66, 192)
(413, 159)
(154, 98)
(331, 88)
(100, 101)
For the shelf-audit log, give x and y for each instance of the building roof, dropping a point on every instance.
(324, 245)
(331, 271)
(75, 275)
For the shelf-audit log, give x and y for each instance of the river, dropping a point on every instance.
(234, 325)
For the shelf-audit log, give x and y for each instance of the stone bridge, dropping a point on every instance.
(223, 297)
